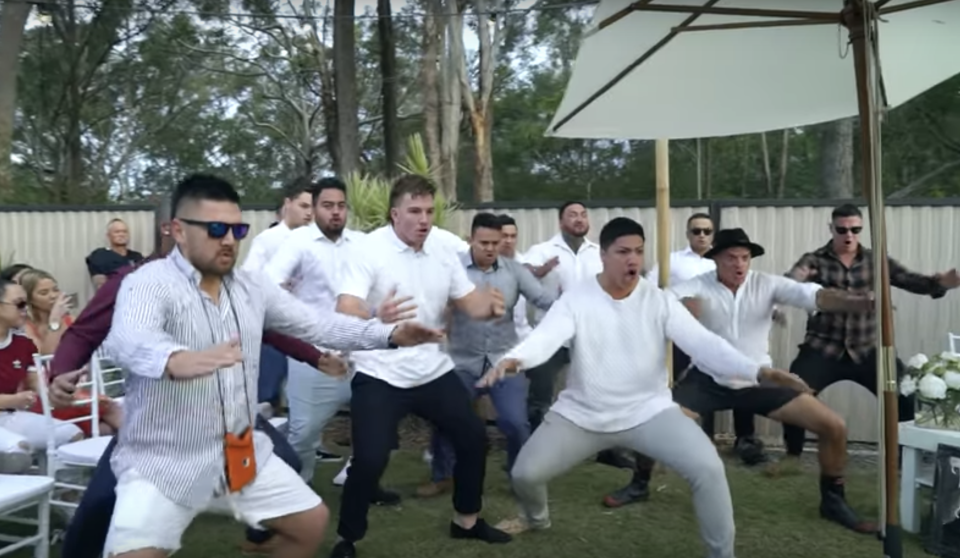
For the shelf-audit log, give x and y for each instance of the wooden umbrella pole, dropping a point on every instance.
(662, 157)
(856, 22)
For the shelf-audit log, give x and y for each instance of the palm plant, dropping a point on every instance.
(369, 195)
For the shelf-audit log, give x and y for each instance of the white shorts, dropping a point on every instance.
(145, 518)
(33, 427)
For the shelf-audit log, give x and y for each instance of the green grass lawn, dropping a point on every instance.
(776, 518)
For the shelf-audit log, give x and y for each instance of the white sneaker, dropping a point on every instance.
(341, 477)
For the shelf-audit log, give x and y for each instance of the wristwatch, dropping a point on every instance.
(390, 343)
(54, 326)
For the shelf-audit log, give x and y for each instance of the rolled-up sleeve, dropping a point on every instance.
(137, 341)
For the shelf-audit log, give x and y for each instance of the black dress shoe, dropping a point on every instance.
(750, 450)
(343, 549)
(834, 507)
(481, 531)
(383, 497)
(630, 494)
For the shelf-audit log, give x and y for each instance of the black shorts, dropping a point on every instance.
(701, 394)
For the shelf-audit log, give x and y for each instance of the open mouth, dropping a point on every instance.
(632, 273)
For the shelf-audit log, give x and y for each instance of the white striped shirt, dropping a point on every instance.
(173, 430)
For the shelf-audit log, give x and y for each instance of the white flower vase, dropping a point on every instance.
(937, 414)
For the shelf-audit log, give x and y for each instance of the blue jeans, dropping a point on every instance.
(87, 532)
(273, 371)
(510, 401)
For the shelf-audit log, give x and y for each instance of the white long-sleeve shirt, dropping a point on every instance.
(264, 246)
(744, 318)
(618, 375)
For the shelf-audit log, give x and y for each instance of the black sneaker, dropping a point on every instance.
(630, 494)
(481, 531)
(384, 497)
(343, 549)
(324, 457)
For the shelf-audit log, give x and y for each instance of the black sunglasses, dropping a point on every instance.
(845, 230)
(219, 229)
(701, 232)
(19, 305)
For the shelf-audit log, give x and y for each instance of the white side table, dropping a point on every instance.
(914, 441)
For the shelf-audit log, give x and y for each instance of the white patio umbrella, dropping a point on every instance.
(667, 69)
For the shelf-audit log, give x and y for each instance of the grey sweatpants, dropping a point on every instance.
(670, 437)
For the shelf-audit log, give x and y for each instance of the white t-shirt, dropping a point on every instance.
(744, 318)
(264, 246)
(618, 375)
(381, 262)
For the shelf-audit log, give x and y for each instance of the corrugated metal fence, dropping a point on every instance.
(922, 237)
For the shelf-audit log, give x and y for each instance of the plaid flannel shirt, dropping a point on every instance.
(835, 334)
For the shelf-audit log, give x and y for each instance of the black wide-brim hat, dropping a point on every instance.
(733, 238)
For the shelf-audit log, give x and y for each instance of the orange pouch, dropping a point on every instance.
(241, 461)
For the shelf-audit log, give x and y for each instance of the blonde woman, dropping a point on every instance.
(48, 316)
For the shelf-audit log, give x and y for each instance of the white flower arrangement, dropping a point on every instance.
(936, 383)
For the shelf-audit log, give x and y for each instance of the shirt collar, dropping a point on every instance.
(467, 259)
(402, 246)
(317, 234)
(827, 251)
(689, 253)
(558, 240)
(186, 268)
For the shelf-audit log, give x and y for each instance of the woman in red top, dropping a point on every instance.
(22, 430)
(48, 317)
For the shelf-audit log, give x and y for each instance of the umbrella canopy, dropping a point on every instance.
(693, 68)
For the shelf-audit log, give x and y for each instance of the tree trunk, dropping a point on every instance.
(451, 99)
(432, 43)
(13, 21)
(388, 87)
(836, 159)
(345, 82)
(784, 163)
(482, 124)
(765, 154)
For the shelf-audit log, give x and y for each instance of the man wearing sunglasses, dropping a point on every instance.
(840, 347)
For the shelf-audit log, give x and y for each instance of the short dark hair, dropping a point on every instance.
(328, 183)
(566, 205)
(297, 186)
(11, 271)
(4, 285)
(506, 220)
(412, 184)
(485, 221)
(845, 210)
(696, 216)
(617, 228)
(203, 187)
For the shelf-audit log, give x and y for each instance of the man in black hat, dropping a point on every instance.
(737, 304)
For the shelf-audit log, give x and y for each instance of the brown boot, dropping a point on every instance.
(434, 489)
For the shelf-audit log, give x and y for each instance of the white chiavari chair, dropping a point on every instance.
(73, 459)
(954, 342)
(19, 493)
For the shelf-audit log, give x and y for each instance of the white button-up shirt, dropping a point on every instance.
(381, 262)
(684, 265)
(315, 261)
(573, 268)
(744, 318)
(264, 246)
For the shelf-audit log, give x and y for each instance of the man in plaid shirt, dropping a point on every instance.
(841, 346)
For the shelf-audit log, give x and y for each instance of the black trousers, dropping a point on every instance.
(743, 424)
(376, 409)
(821, 372)
(543, 384)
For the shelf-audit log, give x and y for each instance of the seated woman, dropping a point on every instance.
(48, 317)
(21, 431)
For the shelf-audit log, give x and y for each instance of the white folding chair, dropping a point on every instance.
(19, 493)
(109, 375)
(954, 340)
(79, 457)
